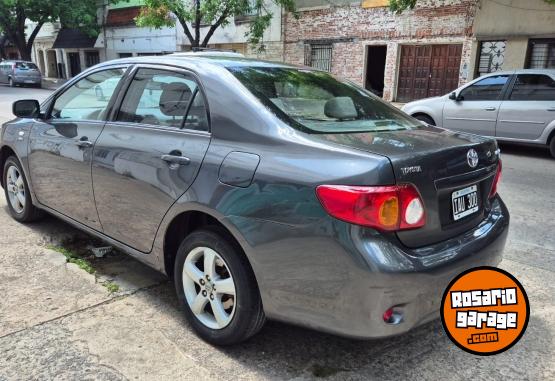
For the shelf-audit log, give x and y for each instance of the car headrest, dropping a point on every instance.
(340, 108)
(175, 98)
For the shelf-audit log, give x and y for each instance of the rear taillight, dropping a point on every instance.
(496, 179)
(387, 208)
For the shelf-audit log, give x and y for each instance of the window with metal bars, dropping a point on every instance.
(541, 54)
(318, 56)
(92, 58)
(492, 56)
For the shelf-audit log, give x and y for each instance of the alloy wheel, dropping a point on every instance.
(209, 287)
(16, 189)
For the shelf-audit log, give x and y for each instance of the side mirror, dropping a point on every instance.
(26, 108)
(454, 97)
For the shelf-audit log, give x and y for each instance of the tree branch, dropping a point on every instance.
(32, 36)
(183, 23)
(215, 26)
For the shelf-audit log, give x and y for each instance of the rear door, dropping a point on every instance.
(477, 108)
(528, 109)
(61, 146)
(150, 153)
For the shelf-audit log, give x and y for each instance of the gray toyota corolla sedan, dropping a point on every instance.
(265, 190)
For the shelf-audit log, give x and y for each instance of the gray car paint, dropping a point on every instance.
(522, 121)
(311, 269)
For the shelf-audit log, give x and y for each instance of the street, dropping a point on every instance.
(58, 321)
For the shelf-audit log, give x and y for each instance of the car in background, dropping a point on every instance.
(515, 106)
(20, 73)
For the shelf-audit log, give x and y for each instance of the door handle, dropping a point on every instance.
(176, 159)
(490, 109)
(84, 143)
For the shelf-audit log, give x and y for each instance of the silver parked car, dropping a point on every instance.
(20, 73)
(515, 106)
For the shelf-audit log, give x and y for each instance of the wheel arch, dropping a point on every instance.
(415, 114)
(5, 152)
(187, 222)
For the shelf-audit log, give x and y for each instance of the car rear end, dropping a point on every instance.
(450, 220)
(394, 245)
(26, 73)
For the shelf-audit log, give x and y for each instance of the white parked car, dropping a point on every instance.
(516, 106)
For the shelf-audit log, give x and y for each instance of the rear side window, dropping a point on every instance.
(488, 89)
(533, 87)
(88, 98)
(164, 98)
(26, 66)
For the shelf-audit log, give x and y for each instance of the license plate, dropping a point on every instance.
(29, 81)
(465, 202)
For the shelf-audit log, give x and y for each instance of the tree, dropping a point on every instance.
(195, 14)
(399, 6)
(14, 13)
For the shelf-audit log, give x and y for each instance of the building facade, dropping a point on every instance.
(419, 53)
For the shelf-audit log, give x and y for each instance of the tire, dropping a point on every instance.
(12, 83)
(244, 315)
(552, 146)
(425, 119)
(22, 212)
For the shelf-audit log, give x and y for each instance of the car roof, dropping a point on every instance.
(200, 60)
(521, 71)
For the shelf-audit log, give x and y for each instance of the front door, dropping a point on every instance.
(529, 108)
(74, 63)
(428, 70)
(61, 147)
(477, 106)
(150, 155)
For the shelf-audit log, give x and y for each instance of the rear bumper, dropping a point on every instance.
(413, 282)
(27, 80)
(350, 288)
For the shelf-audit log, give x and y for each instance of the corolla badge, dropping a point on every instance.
(472, 158)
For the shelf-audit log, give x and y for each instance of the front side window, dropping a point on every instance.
(487, 89)
(533, 87)
(316, 102)
(88, 98)
(164, 98)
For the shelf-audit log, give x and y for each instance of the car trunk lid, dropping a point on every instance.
(435, 161)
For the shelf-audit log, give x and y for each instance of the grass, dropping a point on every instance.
(111, 287)
(73, 257)
(83, 263)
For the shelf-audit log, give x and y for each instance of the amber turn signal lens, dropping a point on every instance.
(389, 212)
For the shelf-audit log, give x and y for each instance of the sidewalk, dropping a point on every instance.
(52, 83)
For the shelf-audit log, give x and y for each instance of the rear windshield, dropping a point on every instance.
(316, 102)
(25, 65)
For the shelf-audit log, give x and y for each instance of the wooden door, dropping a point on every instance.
(428, 70)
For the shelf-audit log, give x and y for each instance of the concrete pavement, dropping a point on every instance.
(59, 322)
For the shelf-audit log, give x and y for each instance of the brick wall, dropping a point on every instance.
(273, 51)
(351, 28)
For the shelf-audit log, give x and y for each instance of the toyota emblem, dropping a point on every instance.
(472, 158)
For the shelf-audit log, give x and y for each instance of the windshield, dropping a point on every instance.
(316, 102)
